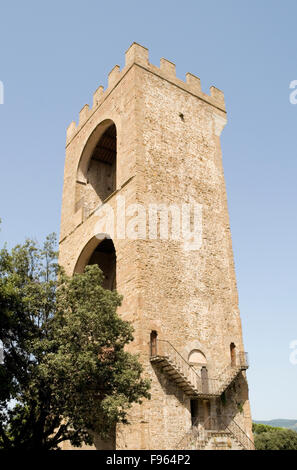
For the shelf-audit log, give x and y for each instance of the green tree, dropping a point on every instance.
(273, 438)
(66, 373)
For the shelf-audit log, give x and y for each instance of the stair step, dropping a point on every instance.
(176, 373)
(168, 368)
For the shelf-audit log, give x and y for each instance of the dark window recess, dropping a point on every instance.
(154, 336)
(194, 412)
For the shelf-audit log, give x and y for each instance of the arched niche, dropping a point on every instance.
(96, 173)
(197, 358)
(102, 253)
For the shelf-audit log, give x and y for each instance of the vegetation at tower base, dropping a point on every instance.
(66, 374)
(272, 438)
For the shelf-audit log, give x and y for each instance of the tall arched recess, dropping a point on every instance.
(96, 173)
(102, 253)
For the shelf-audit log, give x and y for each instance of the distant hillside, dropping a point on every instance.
(281, 423)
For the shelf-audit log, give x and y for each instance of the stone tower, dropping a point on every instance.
(142, 159)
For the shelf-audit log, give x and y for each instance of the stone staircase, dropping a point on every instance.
(224, 434)
(196, 438)
(175, 366)
(239, 435)
(219, 432)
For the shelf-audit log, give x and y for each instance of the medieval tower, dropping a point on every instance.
(149, 149)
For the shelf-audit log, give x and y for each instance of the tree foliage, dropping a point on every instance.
(272, 438)
(66, 372)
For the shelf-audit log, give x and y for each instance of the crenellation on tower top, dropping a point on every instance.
(193, 82)
(83, 114)
(139, 55)
(168, 68)
(217, 94)
(97, 96)
(114, 76)
(71, 129)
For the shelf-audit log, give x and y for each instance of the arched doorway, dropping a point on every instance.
(96, 173)
(102, 253)
(101, 173)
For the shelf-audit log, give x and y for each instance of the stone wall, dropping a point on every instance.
(168, 152)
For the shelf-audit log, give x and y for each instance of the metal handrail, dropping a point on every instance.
(209, 385)
(218, 423)
(240, 435)
(186, 369)
(170, 344)
(193, 431)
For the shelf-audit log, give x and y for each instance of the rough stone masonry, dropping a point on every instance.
(153, 138)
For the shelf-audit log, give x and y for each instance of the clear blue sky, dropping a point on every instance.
(53, 55)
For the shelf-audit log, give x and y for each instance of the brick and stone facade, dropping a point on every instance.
(153, 138)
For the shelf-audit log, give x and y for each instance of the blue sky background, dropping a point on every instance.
(53, 55)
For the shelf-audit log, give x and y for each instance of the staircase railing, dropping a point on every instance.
(203, 385)
(166, 349)
(200, 433)
(196, 433)
(240, 435)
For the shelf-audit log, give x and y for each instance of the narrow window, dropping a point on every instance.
(204, 378)
(154, 336)
(233, 354)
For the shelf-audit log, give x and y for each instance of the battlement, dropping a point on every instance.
(139, 55)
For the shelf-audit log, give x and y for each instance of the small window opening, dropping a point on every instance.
(154, 336)
(233, 354)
